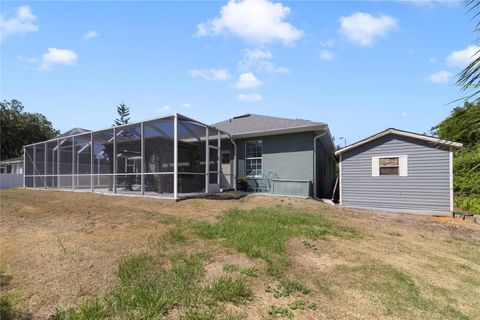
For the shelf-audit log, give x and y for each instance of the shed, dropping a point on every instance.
(396, 170)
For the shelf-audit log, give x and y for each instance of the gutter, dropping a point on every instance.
(234, 164)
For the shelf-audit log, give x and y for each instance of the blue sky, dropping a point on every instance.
(360, 66)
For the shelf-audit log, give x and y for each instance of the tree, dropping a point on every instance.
(19, 128)
(458, 125)
(123, 114)
(466, 162)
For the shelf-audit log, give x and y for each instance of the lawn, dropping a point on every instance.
(71, 255)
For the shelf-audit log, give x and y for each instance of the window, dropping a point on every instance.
(390, 166)
(253, 158)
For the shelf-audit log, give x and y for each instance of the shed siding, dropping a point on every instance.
(425, 189)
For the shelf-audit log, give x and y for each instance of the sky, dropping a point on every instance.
(359, 66)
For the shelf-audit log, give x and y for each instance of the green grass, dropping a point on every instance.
(89, 310)
(263, 232)
(251, 272)
(297, 304)
(152, 285)
(176, 235)
(280, 311)
(228, 289)
(289, 286)
(394, 234)
(7, 311)
(230, 267)
(312, 306)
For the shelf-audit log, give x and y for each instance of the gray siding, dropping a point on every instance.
(425, 189)
(290, 156)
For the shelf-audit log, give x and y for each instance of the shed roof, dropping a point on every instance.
(249, 124)
(400, 133)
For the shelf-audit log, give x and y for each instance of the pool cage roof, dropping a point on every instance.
(170, 157)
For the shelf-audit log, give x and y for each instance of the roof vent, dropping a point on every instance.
(243, 116)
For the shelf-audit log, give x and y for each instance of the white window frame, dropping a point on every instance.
(253, 158)
(402, 166)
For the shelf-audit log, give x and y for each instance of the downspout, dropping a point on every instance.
(315, 164)
(234, 164)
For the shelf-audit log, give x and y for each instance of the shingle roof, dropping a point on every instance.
(73, 131)
(253, 123)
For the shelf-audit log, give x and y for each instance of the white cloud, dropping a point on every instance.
(257, 21)
(269, 66)
(257, 54)
(260, 60)
(326, 55)
(249, 97)
(440, 77)
(164, 109)
(186, 104)
(328, 44)
(56, 56)
(251, 57)
(403, 114)
(247, 80)
(363, 28)
(23, 22)
(432, 60)
(210, 74)
(90, 35)
(30, 60)
(462, 58)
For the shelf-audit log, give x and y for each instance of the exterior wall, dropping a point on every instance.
(289, 156)
(426, 189)
(11, 180)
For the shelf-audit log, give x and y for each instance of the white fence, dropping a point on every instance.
(11, 180)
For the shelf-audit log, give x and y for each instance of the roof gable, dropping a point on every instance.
(403, 134)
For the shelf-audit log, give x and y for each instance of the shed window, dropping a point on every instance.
(389, 166)
(253, 158)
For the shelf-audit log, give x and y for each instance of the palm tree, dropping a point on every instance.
(469, 78)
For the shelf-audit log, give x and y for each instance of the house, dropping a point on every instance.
(11, 173)
(176, 157)
(399, 171)
(283, 156)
